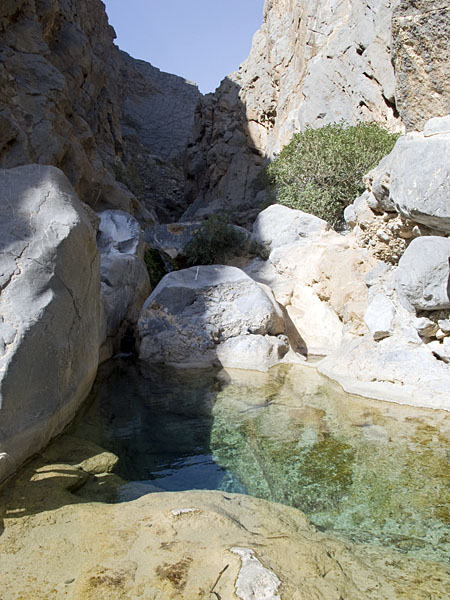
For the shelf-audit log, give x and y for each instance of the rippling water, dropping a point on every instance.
(373, 472)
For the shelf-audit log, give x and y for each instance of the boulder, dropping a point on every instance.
(328, 295)
(423, 274)
(420, 175)
(379, 317)
(170, 238)
(125, 283)
(192, 311)
(49, 306)
(279, 225)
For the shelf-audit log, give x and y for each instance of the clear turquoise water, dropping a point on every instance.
(372, 472)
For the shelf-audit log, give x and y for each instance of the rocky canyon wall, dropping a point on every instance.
(421, 53)
(69, 98)
(314, 63)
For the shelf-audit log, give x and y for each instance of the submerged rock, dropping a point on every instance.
(186, 545)
(49, 306)
(193, 311)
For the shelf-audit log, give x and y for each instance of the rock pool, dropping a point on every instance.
(371, 472)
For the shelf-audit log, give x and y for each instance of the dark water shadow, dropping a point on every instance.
(157, 420)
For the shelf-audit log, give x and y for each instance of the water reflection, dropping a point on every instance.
(374, 472)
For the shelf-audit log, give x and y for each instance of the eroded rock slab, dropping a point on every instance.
(185, 545)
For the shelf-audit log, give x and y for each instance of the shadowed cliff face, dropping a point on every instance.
(69, 98)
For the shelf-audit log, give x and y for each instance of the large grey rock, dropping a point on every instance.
(279, 225)
(49, 307)
(379, 317)
(421, 56)
(125, 283)
(420, 175)
(423, 275)
(192, 311)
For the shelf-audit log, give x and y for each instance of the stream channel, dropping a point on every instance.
(368, 471)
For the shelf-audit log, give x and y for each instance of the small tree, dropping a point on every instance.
(320, 171)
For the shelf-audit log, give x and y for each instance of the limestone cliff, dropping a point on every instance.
(421, 30)
(66, 93)
(311, 63)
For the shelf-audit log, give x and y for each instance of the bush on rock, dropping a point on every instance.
(320, 171)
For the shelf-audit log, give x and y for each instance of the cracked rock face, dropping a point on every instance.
(114, 125)
(421, 53)
(49, 309)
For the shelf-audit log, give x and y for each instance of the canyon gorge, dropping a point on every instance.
(108, 164)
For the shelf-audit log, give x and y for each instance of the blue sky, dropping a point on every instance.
(201, 40)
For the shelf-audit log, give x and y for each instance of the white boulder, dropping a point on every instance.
(49, 307)
(423, 274)
(279, 225)
(379, 317)
(191, 312)
(420, 175)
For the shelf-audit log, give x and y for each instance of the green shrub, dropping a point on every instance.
(216, 242)
(157, 265)
(320, 171)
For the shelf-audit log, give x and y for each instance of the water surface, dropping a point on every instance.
(371, 472)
